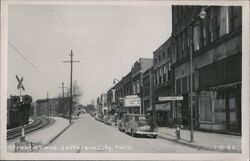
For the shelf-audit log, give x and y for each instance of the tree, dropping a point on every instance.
(76, 94)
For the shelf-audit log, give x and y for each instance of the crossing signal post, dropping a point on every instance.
(24, 112)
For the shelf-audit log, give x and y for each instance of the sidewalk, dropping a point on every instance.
(44, 136)
(203, 140)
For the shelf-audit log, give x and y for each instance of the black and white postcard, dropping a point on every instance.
(124, 80)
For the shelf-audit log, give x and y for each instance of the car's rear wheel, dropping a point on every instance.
(155, 136)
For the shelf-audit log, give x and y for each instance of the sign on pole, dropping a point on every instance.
(20, 83)
(171, 98)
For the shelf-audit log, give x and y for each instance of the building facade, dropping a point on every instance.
(51, 107)
(102, 103)
(214, 40)
(147, 89)
(163, 84)
(131, 84)
(139, 67)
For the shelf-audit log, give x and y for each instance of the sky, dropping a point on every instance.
(106, 39)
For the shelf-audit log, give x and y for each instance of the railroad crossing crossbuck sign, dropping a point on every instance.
(20, 83)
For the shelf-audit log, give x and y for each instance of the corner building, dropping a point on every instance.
(214, 40)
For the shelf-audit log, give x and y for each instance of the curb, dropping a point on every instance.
(198, 146)
(56, 136)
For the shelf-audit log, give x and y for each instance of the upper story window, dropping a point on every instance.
(179, 46)
(164, 73)
(220, 20)
(159, 58)
(155, 60)
(224, 20)
(197, 37)
(164, 55)
(138, 86)
(168, 53)
(134, 88)
(235, 17)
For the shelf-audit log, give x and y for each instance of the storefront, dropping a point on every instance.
(163, 114)
(220, 96)
(220, 108)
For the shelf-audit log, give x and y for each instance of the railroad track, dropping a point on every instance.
(37, 124)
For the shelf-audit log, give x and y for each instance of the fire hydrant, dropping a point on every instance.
(178, 132)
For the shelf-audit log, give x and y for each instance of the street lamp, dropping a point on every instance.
(201, 15)
(115, 80)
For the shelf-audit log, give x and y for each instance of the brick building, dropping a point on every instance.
(163, 84)
(52, 107)
(131, 84)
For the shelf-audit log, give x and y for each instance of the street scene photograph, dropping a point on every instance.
(124, 78)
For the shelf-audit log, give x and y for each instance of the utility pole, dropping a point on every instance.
(191, 93)
(71, 75)
(63, 102)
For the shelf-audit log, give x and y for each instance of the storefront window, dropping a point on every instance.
(220, 108)
(232, 110)
(205, 106)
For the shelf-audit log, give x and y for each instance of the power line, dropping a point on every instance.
(27, 60)
(58, 18)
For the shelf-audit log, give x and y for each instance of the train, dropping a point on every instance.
(12, 113)
(15, 116)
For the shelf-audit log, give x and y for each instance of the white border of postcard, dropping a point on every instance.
(127, 156)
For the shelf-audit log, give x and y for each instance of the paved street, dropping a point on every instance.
(88, 135)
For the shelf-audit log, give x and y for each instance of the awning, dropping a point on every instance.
(161, 107)
(224, 86)
(121, 110)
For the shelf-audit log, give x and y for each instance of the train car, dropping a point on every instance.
(12, 115)
(12, 118)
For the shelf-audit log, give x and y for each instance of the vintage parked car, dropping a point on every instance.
(99, 117)
(121, 124)
(137, 124)
(105, 119)
(112, 121)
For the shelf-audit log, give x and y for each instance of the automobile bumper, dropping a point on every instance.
(146, 133)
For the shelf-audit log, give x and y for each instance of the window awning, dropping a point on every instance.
(161, 107)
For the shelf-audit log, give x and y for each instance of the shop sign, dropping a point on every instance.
(171, 98)
(132, 101)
